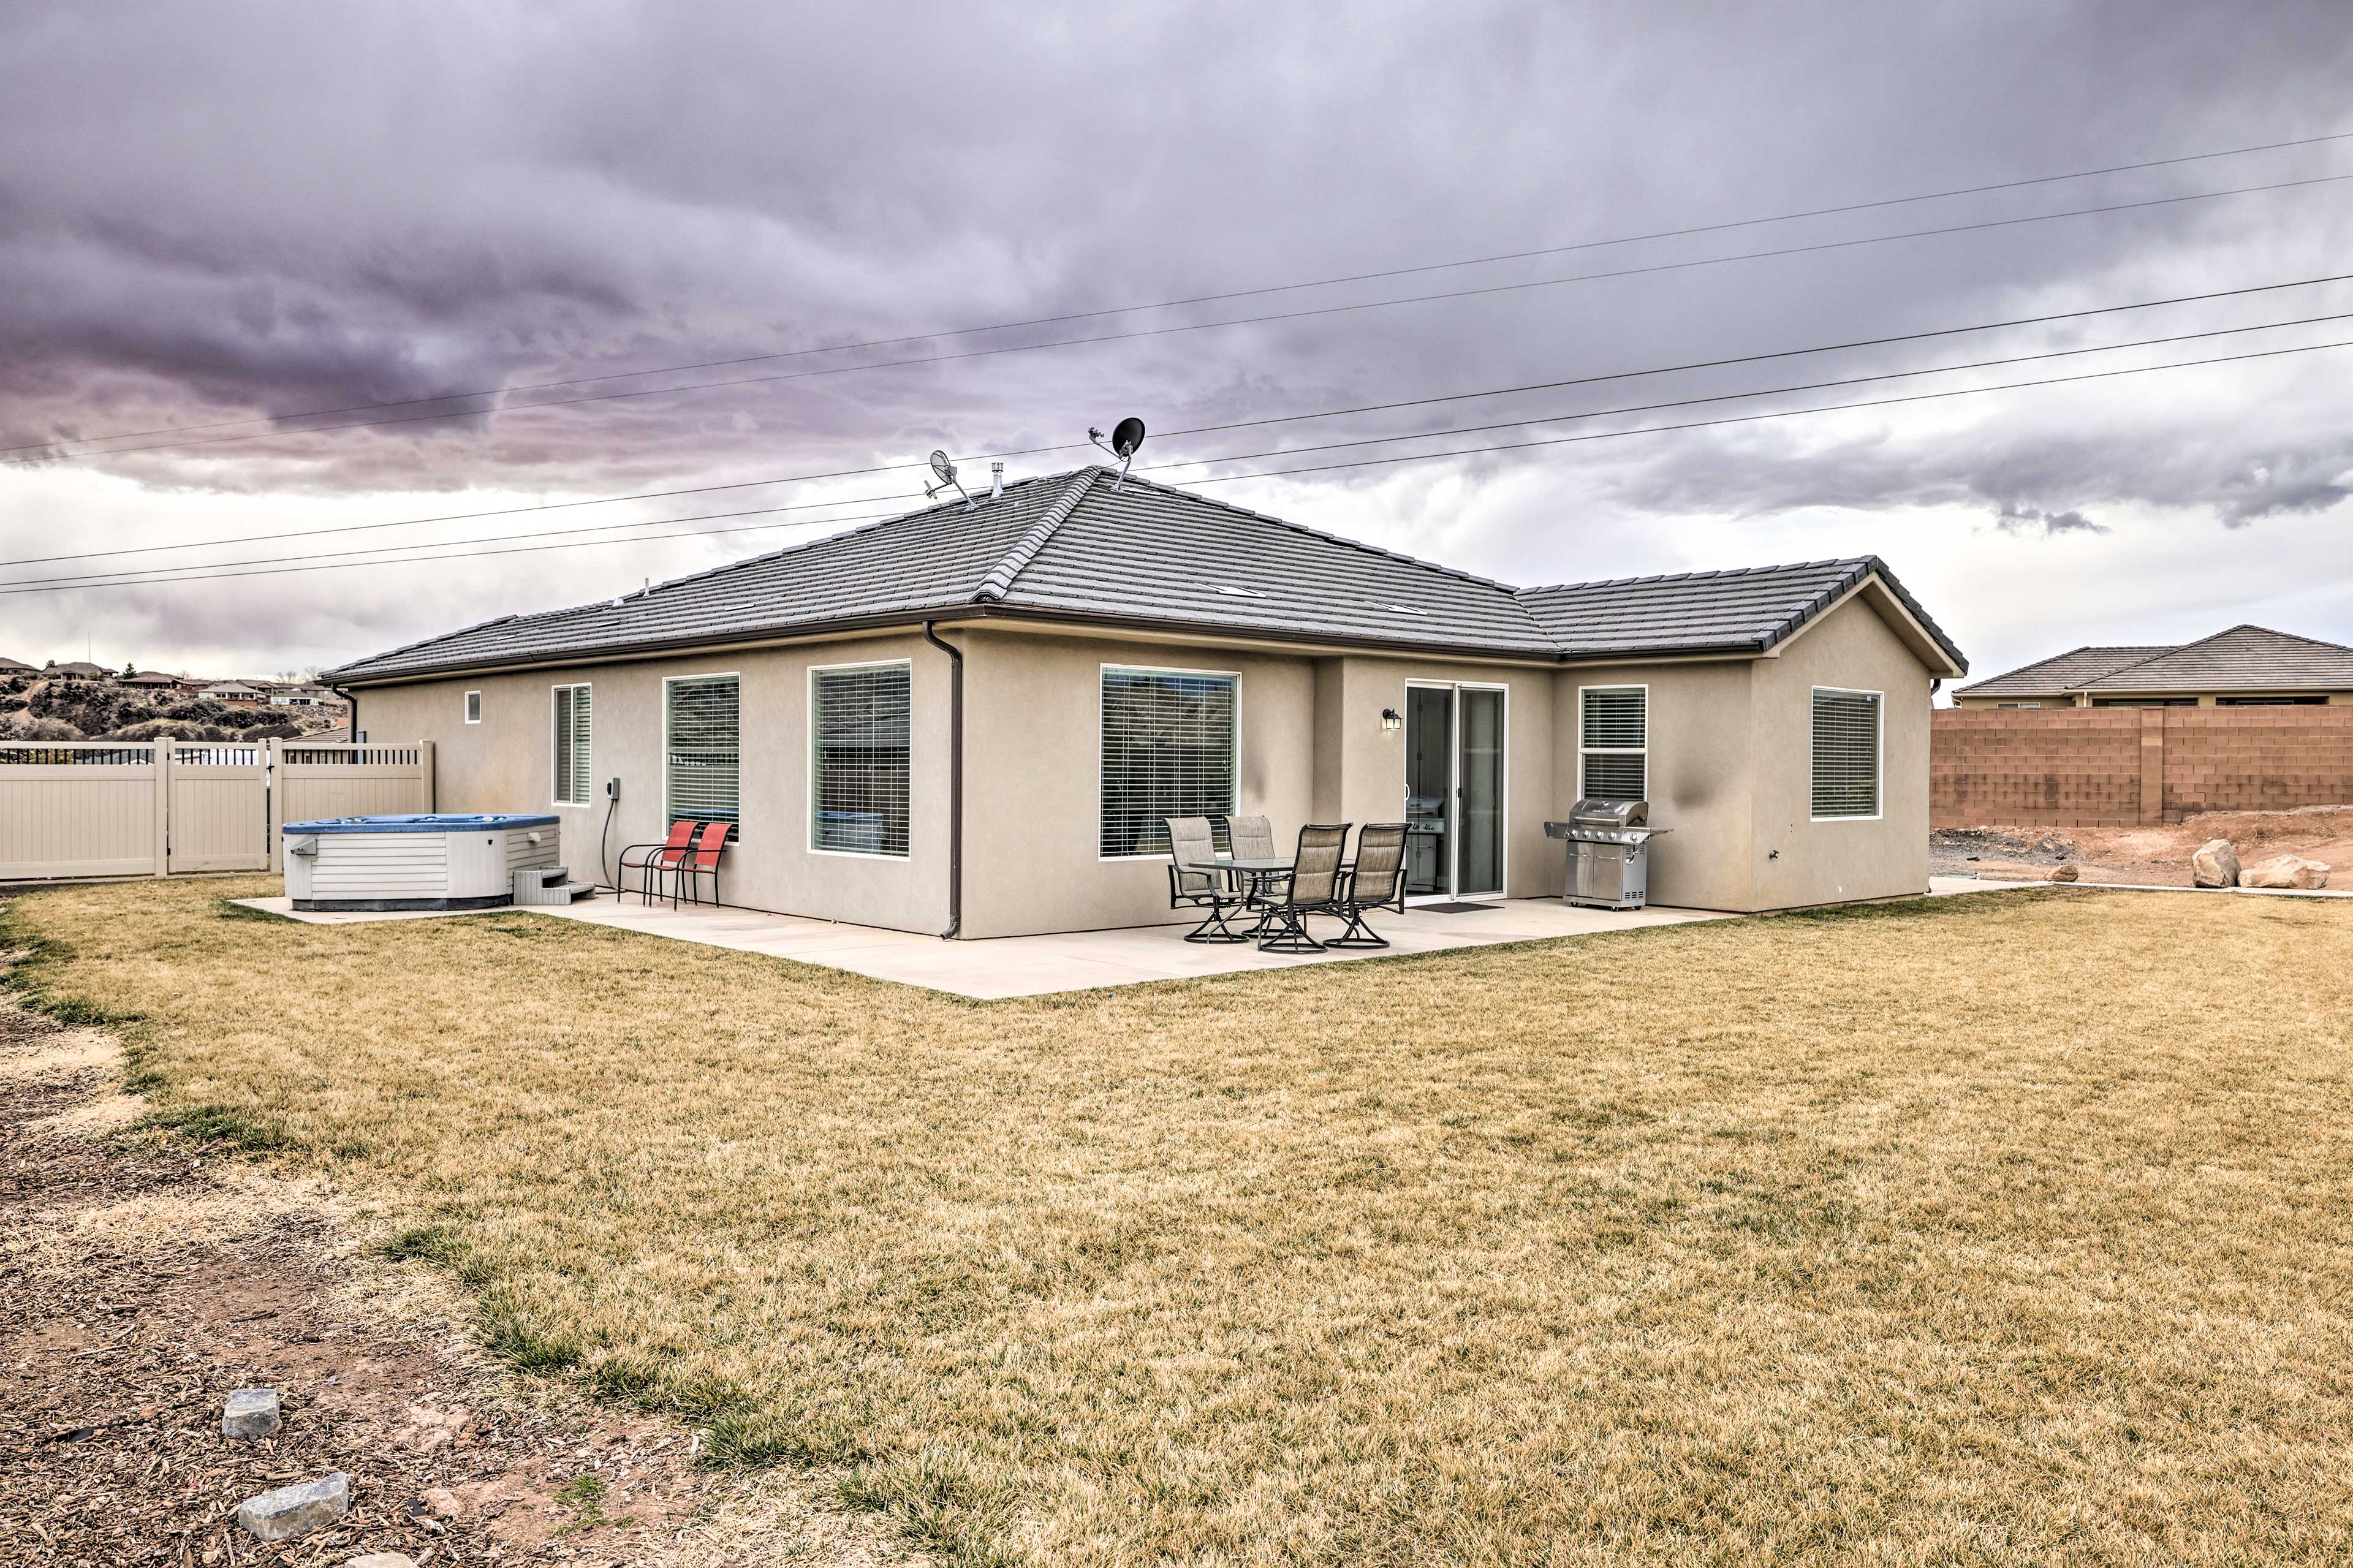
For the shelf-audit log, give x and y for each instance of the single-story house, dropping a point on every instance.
(303, 696)
(973, 721)
(2245, 667)
(236, 693)
(9, 667)
(78, 670)
(157, 680)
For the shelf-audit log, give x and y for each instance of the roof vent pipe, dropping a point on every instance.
(996, 481)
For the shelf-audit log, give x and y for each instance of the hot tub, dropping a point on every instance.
(434, 862)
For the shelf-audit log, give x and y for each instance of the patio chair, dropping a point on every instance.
(702, 860)
(1314, 882)
(1191, 846)
(1252, 838)
(1376, 881)
(661, 860)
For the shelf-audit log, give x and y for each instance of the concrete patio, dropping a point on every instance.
(1036, 965)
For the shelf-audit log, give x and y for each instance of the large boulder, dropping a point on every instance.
(2285, 872)
(2065, 873)
(2216, 865)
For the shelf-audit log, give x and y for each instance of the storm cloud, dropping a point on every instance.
(212, 213)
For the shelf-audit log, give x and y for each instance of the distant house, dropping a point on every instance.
(2246, 666)
(79, 672)
(9, 667)
(235, 692)
(156, 680)
(304, 697)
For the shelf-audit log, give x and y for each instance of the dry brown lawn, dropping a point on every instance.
(1866, 1238)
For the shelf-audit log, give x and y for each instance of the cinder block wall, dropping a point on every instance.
(2119, 767)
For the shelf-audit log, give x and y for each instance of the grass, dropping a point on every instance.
(2016, 1228)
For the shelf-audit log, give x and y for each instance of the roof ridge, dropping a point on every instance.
(1000, 578)
(1455, 571)
(1717, 571)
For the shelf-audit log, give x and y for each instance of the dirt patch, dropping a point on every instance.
(2155, 856)
(139, 1285)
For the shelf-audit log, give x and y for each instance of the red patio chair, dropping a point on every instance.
(667, 856)
(703, 861)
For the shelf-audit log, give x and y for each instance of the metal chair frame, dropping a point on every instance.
(666, 857)
(1191, 886)
(702, 860)
(1314, 882)
(1376, 881)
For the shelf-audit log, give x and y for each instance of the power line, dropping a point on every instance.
(1720, 362)
(1234, 293)
(206, 575)
(1487, 289)
(163, 573)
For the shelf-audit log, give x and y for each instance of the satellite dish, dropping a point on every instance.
(1125, 438)
(947, 475)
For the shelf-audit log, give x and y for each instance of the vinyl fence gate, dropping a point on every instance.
(112, 808)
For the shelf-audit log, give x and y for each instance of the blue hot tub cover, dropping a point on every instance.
(431, 822)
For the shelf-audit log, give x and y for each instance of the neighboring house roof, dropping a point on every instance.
(80, 671)
(2244, 658)
(1077, 548)
(150, 678)
(11, 665)
(2063, 672)
(231, 689)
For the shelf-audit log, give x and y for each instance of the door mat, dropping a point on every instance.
(1457, 909)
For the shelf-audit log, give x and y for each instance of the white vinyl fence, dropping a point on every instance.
(112, 808)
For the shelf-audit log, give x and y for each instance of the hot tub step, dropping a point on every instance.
(548, 885)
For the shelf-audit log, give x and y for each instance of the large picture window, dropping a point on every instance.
(1613, 743)
(1846, 753)
(1169, 743)
(701, 735)
(574, 782)
(858, 762)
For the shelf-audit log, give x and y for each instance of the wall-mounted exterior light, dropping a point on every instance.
(1392, 719)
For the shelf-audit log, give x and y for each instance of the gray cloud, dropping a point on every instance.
(210, 212)
(2032, 520)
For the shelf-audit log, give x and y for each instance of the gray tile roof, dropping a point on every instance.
(1073, 547)
(2244, 658)
(2061, 672)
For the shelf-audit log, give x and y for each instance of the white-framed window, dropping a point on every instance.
(473, 708)
(701, 750)
(572, 748)
(2018, 704)
(1849, 727)
(1171, 747)
(859, 758)
(1613, 743)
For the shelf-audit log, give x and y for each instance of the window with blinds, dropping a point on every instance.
(1613, 743)
(700, 755)
(1846, 753)
(858, 729)
(573, 781)
(1169, 747)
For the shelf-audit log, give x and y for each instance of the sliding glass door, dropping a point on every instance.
(1455, 790)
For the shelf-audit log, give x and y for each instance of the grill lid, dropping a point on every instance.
(1594, 820)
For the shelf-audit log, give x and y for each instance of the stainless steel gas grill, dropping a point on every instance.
(1608, 853)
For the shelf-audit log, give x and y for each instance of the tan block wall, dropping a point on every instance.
(2120, 767)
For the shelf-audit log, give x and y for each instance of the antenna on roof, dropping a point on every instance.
(946, 471)
(1125, 438)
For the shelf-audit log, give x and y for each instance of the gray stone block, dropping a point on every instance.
(298, 1510)
(250, 1412)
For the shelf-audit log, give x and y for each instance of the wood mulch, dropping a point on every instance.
(139, 1286)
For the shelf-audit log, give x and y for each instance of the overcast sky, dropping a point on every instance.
(209, 213)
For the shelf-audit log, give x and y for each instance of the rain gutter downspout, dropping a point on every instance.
(956, 780)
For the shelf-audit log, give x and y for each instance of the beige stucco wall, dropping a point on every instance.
(505, 764)
(1032, 775)
(1845, 859)
(1698, 772)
